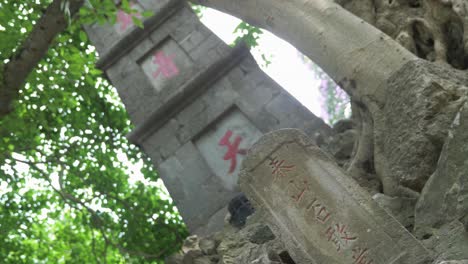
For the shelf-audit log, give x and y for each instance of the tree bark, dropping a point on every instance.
(31, 51)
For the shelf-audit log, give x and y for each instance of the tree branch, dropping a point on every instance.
(31, 51)
(345, 46)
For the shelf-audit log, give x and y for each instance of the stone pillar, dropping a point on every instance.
(197, 104)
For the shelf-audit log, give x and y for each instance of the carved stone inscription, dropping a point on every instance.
(317, 207)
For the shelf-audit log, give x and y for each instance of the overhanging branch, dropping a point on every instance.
(32, 50)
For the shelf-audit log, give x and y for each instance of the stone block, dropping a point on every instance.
(153, 5)
(410, 132)
(291, 113)
(192, 120)
(192, 40)
(200, 54)
(321, 214)
(264, 120)
(198, 194)
(225, 144)
(141, 49)
(444, 197)
(213, 224)
(181, 32)
(219, 98)
(167, 65)
(164, 139)
(284, 107)
(254, 97)
(155, 156)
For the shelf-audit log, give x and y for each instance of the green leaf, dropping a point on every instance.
(147, 13)
(125, 5)
(137, 21)
(83, 36)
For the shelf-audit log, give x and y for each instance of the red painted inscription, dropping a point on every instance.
(297, 189)
(339, 236)
(166, 65)
(337, 233)
(233, 149)
(124, 19)
(360, 256)
(320, 211)
(279, 168)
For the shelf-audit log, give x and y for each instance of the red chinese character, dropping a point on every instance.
(233, 149)
(360, 256)
(320, 212)
(278, 168)
(297, 189)
(124, 19)
(166, 65)
(339, 236)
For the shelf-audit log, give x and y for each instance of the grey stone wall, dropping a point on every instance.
(197, 104)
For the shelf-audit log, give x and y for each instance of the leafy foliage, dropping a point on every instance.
(249, 34)
(66, 194)
(336, 102)
(198, 9)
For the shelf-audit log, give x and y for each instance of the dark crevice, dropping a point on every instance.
(426, 236)
(453, 32)
(368, 166)
(414, 4)
(286, 258)
(423, 41)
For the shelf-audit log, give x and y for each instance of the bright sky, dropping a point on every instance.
(286, 68)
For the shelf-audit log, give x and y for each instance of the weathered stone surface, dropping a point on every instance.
(445, 196)
(174, 259)
(409, 133)
(235, 248)
(191, 243)
(449, 242)
(321, 214)
(194, 193)
(253, 244)
(262, 235)
(402, 208)
(207, 246)
(465, 261)
(167, 65)
(191, 255)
